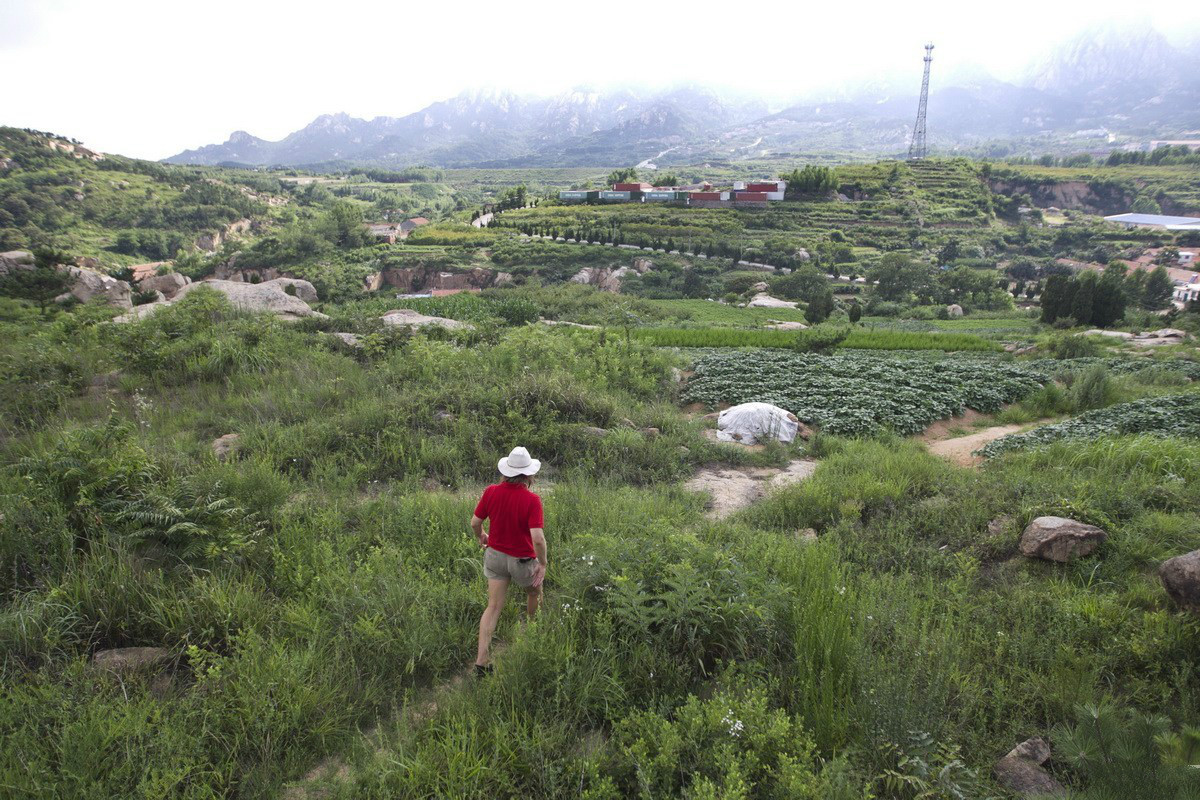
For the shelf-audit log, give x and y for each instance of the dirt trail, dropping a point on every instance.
(734, 488)
(961, 450)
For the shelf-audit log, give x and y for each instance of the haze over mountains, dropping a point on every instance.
(1105, 86)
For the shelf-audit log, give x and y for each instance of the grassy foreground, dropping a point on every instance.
(323, 578)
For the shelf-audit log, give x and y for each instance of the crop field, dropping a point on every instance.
(707, 312)
(858, 339)
(853, 394)
(1176, 415)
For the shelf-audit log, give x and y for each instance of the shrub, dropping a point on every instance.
(1076, 346)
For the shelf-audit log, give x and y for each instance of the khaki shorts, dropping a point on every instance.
(499, 566)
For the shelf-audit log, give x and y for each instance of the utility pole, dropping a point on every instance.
(918, 149)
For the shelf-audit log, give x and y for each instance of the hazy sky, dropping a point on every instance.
(149, 79)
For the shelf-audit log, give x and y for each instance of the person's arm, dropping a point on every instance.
(539, 544)
(477, 527)
(539, 547)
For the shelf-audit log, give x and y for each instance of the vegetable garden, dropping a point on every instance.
(854, 393)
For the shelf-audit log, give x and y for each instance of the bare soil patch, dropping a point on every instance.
(734, 488)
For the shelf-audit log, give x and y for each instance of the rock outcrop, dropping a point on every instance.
(255, 297)
(1060, 539)
(413, 319)
(762, 300)
(1021, 772)
(168, 284)
(214, 239)
(606, 279)
(1181, 578)
(295, 286)
(88, 283)
(954, 310)
(14, 260)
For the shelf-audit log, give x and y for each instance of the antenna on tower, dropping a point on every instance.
(917, 149)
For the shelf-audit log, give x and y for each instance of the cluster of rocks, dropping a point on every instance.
(1162, 336)
(282, 297)
(1061, 540)
(608, 279)
(14, 260)
(426, 279)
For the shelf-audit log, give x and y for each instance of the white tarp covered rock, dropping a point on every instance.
(751, 423)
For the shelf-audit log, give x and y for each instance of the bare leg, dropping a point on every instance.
(487, 623)
(533, 599)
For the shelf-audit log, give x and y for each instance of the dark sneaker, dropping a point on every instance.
(483, 669)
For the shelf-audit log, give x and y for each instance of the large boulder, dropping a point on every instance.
(14, 260)
(642, 265)
(168, 284)
(414, 319)
(762, 300)
(604, 278)
(88, 283)
(300, 288)
(124, 660)
(1181, 578)
(1060, 539)
(1020, 771)
(954, 310)
(225, 447)
(750, 423)
(255, 297)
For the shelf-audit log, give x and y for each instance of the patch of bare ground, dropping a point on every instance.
(734, 488)
(961, 450)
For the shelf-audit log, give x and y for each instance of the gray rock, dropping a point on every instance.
(1036, 750)
(168, 284)
(414, 319)
(1060, 539)
(300, 288)
(123, 660)
(350, 340)
(1021, 773)
(255, 297)
(14, 260)
(651, 433)
(226, 446)
(599, 433)
(87, 284)
(1181, 578)
(954, 310)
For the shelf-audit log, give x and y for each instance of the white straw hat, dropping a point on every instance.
(518, 463)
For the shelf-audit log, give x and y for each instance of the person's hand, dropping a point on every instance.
(539, 574)
(483, 540)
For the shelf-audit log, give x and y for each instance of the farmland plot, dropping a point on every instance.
(858, 394)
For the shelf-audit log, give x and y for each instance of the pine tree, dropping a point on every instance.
(1083, 304)
(1157, 292)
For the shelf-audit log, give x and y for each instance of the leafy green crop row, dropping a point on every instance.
(859, 339)
(1176, 415)
(854, 394)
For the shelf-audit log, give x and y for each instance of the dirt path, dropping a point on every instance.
(961, 450)
(734, 488)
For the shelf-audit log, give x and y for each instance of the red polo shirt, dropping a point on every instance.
(513, 509)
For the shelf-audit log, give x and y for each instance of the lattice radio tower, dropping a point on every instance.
(918, 149)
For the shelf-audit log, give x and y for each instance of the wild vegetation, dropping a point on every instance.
(313, 585)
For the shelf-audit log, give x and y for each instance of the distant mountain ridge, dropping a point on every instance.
(1119, 82)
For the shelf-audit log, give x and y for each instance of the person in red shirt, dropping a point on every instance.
(514, 546)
